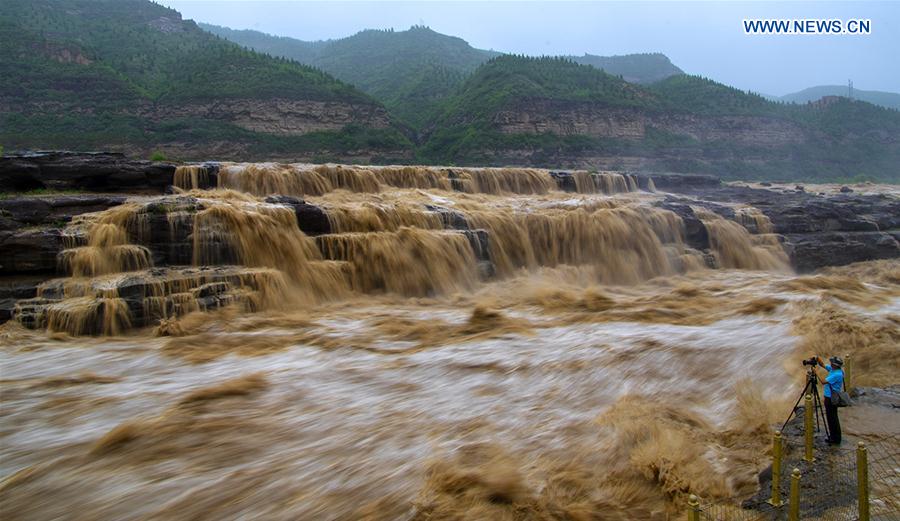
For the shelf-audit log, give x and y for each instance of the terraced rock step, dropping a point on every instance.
(115, 303)
(819, 229)
(83, 171)
(404, 230)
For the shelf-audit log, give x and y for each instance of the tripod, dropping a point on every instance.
(812, 387)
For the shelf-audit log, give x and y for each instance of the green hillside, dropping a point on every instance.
(689, 123)
(889, 100)
(508, 78)
(635, 68)
(131, 75)
(698, 95)
(89, 73)
(409, 71)
(464, 131)
(413, 71)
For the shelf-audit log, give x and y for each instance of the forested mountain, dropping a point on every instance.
(889, 100)
(553, 111)
(409, 71)
(132, 75)
(635, 68)
(412, 71)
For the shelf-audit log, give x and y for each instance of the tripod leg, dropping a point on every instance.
(794, 410)
(820, 411)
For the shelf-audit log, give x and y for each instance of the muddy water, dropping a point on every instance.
(602, 371)
(355, 419)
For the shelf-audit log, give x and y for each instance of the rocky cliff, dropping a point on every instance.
(280, 117)
(568, 118)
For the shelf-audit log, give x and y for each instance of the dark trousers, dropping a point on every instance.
(834, 424)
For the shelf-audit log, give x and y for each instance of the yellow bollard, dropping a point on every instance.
(808, 428)
(846, 370)
(862, 480)
(776, 470)
(693, 508)
(794, 506)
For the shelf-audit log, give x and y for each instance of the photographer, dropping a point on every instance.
(834, 381)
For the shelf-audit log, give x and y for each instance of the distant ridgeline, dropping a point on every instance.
(890, 100)
(131, 75)
(412, 71)
(636, 68)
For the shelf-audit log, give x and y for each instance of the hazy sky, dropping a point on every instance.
(700, 37)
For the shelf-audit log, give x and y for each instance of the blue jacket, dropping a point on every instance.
(834, 380)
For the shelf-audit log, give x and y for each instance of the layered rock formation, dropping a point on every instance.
(45, 236)
(285, 117)
(568, 118)
(94, 172)
(819, 229)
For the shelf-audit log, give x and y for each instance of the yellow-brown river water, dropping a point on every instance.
(601, 372)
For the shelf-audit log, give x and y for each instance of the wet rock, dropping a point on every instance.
(456, 182)
(565, 181)
(83, 171)
(168, 232)
(846, 190)
(149, 295)
(449, 218)
(32, 210)
(14, 289)
(212, 175)
(812, 251)
(29, 250)
(888, 397)
(862, 227)
(311, 219)
(670, 182)
(695, 233)
(26, 210)
(480, 242)
(479, 239)
(211, 289)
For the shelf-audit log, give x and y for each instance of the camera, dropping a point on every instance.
(813, 361)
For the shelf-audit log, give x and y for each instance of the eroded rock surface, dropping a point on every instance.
(83, 171)
(819, 229)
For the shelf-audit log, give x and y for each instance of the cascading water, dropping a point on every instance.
(314, 180)
(385, 239)
(735, 247)
(107, 249)
(413, 343)
(410, 261)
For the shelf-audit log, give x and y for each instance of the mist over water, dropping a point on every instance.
(583, 360)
